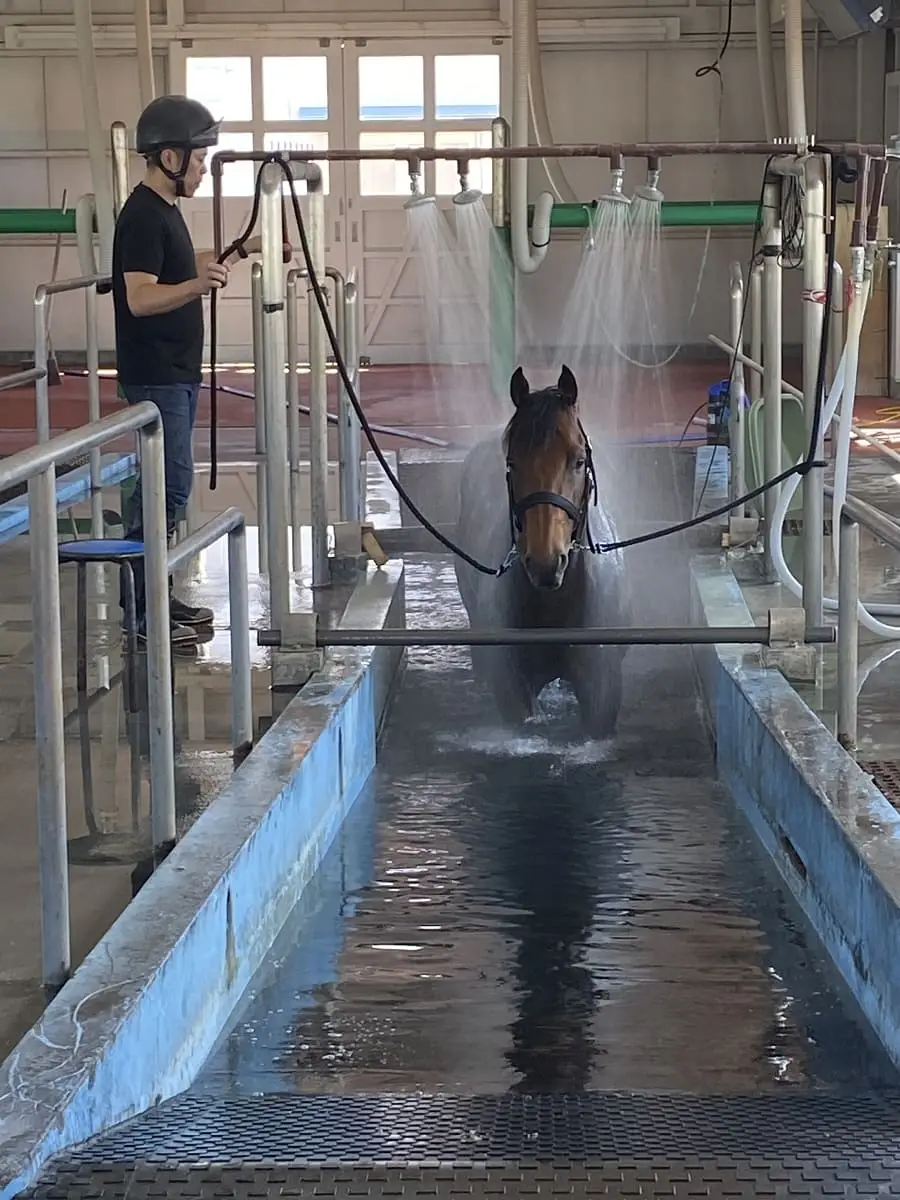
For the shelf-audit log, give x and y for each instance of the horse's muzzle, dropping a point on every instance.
(548, 576)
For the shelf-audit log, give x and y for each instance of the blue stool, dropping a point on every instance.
(123, 553)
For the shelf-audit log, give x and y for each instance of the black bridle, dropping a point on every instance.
(577, 514)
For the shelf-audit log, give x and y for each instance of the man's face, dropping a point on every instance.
(195, 171)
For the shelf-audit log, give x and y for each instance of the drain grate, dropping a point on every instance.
(886, 777)
(591, 1144)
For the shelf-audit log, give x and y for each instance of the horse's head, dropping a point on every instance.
(549, 476)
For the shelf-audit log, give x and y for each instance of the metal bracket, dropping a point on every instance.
(787, 651)
(741, 532)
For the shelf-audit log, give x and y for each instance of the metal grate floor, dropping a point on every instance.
(886, 777)
(814, 1144)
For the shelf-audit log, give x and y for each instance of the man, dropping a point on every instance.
(158, 284)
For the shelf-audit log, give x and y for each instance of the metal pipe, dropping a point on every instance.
(499, 174)
(605, 150)
(848, 633)
(239, 618)
(259, 409)
(352, 485)
(879, 180)
(736, 427)
(92, 364)
(293, 417)
(815, 268)
(143, 38)
(41, 342)
(159, 649)
(49, 731)
(673, 214)
(118, 138)
(275, 390)
(675, 636)
(772, 349)
(90, 101)
(836, 335)
(765, 62)
(318, 396)
(345, 413)
(756, 330)
(21, 378)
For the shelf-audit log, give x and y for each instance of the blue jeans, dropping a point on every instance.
(177, 404)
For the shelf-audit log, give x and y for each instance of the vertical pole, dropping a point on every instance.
(848, 633)
(318, 394)
(499, 174)
(351, 477)
(275, 392)
(345, 466)
(41, 387)
(772, 448)
(259, 389)
(239, 616)
(159, 651)
(893, 262)
(815, 269)
(49, 731)
(756, 329)
(92, 362)
(118, 137)
(502, 271)
(736, 425)
(293, 417)
(836, 337)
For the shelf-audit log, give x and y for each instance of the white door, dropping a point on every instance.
(285, 94)
(406, 94)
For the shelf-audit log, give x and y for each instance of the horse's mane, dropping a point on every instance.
(533, 424)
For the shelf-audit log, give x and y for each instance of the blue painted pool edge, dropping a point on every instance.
(833, 836)
(138, 1018)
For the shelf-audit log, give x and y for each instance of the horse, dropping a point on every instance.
(529, 500)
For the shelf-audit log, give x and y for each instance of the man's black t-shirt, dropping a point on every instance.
(151, 236)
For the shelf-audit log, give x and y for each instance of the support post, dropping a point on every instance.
(499, 175)
(318, 394)
(159, 650)
(815, 270)
(41, 385)
(349, 429)
(848, 633)
(49, 734)
(772, 318)
(836, 316)
(92, 361)
(736, 430)
(293, 417)
(275, 391)
(259, 388)
(118, 138)
(756, 328)
(239, 617)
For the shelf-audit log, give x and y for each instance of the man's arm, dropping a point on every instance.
(141, 252)
(203, 257)
(147, 297)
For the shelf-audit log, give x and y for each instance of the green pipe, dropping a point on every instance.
(674, 214)
(36, 220)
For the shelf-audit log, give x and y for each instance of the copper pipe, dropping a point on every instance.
(860, 196)
(879, 179)
(600, 150)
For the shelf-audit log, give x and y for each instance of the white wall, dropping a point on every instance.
(593, 95)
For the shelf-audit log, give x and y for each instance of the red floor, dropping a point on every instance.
(445, 403)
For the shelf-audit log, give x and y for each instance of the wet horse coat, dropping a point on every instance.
(592, 588)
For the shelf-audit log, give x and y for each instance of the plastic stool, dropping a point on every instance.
(120, 552)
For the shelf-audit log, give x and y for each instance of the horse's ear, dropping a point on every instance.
(567, 386)
(519, 388)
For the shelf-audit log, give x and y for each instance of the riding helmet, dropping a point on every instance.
(175, 123)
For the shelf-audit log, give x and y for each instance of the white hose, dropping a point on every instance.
(793, 66)
(765, 61)
(101, 176)
(843, 392)
(528, 252)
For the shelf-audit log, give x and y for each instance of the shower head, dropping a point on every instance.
(618, 182)
(650, 190)
(417, 200)
(415, 186)
(467, 196)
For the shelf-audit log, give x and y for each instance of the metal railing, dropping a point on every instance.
(21, 379)
(37, 467)
(230, 523)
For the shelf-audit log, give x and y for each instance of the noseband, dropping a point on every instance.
(578, 515)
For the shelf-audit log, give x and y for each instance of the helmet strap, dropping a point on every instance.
(177, 177)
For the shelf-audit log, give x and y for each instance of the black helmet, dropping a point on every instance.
(175, 123)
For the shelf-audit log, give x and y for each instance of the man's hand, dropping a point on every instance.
(211, 276)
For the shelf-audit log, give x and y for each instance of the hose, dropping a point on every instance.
(528, 249)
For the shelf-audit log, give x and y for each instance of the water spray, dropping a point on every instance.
(617, 171)
(418, 197)
(466, 194)
(650, 190)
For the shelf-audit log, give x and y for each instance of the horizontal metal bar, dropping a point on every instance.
(28, 463)
(609, 150)
(734, 635)
(79, 284)
(21, 378)
(881, 524)
(204, 537)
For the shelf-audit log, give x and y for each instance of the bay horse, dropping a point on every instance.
(530, 493)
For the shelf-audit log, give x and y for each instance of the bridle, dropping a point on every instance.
(577, 514)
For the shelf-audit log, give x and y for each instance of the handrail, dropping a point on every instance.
(230, 523)
(37, 466)
(870, 518)
(21, 378)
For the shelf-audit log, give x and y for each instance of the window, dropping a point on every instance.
(384, 177)
(223, 85)
(305, 140)
(295, 89)
(447, 173)
(466, 87)
(237, 178)
(392, 88)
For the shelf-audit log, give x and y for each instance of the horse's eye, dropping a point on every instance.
(579, 464)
